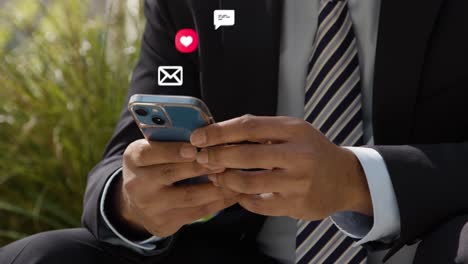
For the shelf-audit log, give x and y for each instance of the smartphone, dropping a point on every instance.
(170, 118)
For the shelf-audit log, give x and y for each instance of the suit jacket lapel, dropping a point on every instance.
(239, 73)
(246, 60)
(404, 32)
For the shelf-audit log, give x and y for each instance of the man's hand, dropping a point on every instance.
(304, 175)
(148, 200)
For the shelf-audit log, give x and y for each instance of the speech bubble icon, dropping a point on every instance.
(224, 18)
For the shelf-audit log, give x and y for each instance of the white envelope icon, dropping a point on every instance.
(170, 75)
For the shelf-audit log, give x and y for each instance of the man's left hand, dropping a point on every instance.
(303, 175)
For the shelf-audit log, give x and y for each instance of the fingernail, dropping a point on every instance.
(214, 179)
(215, 170)
(198, 138)
(202, 157)
(188, 152)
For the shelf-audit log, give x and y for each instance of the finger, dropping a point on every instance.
(146, 153)
(245, 156)
(176, 218)
(195, 195)
(168, 174)
(253, 182)
(246, 128)
(268, 204)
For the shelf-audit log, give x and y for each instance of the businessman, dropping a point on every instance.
(358, 111)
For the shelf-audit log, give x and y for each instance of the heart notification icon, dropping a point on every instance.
(186, 40)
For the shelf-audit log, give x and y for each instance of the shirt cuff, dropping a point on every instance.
(385, 224)
(147, 244)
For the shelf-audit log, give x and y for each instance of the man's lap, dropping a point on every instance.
(448, 244)
(65, 246)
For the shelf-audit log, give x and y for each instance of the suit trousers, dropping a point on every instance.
(448, 244)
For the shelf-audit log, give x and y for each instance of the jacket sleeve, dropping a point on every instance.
(430, 185)
(157, 49)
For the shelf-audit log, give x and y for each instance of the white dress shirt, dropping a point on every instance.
(277, 237)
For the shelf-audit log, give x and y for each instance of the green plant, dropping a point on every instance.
(63, 82)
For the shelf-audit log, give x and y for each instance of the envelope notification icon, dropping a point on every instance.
(170, 75)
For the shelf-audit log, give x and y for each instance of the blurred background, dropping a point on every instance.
(64, 73)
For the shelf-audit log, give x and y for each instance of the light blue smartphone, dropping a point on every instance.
(170, 118)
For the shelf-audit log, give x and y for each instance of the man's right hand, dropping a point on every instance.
(148, 200)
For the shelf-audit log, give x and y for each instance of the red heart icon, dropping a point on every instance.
(186, 40)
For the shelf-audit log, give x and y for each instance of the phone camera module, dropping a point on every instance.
(158, 121)
(141, 112)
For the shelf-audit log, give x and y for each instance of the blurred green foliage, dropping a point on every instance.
(64, 73)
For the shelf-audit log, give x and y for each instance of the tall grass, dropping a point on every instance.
(63, 79)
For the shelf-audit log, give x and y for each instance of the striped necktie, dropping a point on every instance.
(332, 105)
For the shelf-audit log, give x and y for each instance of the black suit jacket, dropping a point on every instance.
(419, 110)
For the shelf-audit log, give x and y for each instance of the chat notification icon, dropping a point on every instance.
(224, 18)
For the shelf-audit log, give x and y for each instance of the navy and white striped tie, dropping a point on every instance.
(332, 105)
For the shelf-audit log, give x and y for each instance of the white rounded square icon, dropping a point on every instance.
(224, 18)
